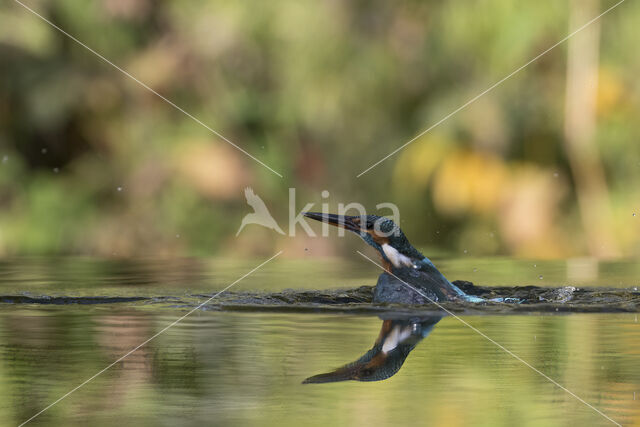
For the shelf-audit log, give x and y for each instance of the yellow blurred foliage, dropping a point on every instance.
(418, 161)
(523, 199)
(468, 181)
(215, 170)
(610, 92)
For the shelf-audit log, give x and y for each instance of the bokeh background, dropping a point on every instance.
(546, 165)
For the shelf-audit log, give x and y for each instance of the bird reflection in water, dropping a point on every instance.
(397, 338)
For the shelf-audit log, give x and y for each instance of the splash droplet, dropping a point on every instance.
(177, 236)
(540, 277)
(5, 159)
(475, 269)
(56, 170)
(43, 151)
(465, 251)
(119, 188)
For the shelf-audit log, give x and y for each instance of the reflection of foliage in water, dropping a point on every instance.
(239, 368)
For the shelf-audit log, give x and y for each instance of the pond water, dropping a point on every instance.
(243, 359)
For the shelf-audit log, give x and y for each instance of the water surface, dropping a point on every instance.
(227, 366)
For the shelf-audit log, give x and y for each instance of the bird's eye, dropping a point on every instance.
(370, 224)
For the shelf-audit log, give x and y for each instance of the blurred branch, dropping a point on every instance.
(580, 124)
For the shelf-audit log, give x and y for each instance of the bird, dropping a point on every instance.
(409, 277)
(260, 216)
(396, 340)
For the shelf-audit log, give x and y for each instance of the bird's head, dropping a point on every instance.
(380, 232)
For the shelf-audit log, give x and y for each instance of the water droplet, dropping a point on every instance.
(119, 188)
(540, 277)
(43, 151)
(56, 170)
(535, 265)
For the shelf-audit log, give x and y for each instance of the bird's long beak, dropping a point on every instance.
(342, 221)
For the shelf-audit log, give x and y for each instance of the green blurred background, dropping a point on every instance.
(546, 165)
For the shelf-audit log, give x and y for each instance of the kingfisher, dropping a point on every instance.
(404, 265)
(396, 340)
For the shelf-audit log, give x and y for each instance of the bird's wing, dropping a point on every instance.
(254, 200)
